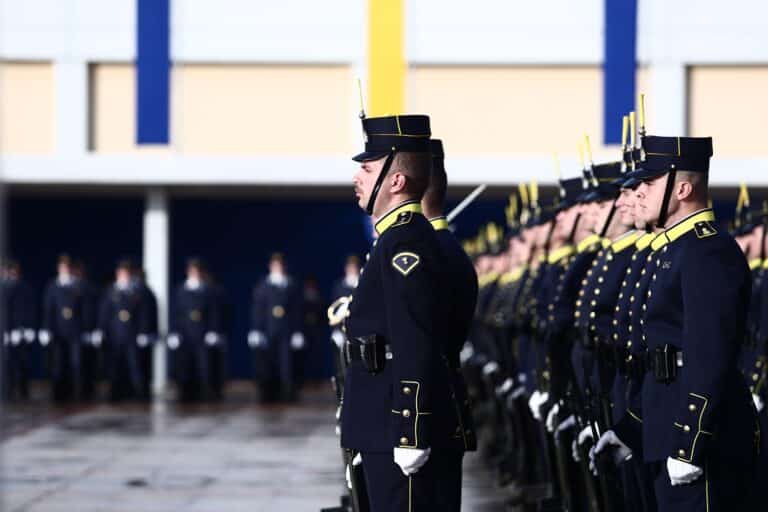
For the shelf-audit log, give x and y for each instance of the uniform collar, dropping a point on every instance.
(624, 241)
(682, 227)
(512, 275)
(390, 217)
(559, 254)
(588, 242)
(755, 263)
(488, 278)
(439, 223)
(644, 241)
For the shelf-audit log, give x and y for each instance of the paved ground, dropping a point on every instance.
(231, 457)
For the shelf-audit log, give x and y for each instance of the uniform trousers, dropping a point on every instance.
(436, 487)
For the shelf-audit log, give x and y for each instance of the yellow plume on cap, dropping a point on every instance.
(523, 194)
(641, 119)
(534, 192)
(632, 129)
(745, 191)
(512, 210)
(588, 146)
(624, 130)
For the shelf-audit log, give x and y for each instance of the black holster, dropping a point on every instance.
(373, 352)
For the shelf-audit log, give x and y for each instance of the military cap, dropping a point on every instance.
(409, 133)
(571, 192)
(663, 154)
(608, 177)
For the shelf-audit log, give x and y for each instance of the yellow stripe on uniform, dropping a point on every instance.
(386, 57)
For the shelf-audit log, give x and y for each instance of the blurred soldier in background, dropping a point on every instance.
(194, 319)
(276, 322)
(63, 327)
(122, 321)
(19, 317)
(90, 348)
(344, 287)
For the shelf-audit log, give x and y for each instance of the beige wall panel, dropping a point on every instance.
(113, 110)
(730, 105)
(264, 109)
(27, 108)
(533, 110)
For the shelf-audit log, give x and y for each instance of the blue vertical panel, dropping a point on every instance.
(619, 65)
(152, 70)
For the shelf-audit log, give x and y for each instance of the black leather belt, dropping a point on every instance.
(371, 350)
(664, 362)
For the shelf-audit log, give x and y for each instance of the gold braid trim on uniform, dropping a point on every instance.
(755, 263)
(624, 241)
(439, 223)
(391, 217)
(682, 227)
(559, 254)
(644, 241)
(588, 242)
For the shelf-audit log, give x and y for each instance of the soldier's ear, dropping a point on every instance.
(684, 190)
(398, 182)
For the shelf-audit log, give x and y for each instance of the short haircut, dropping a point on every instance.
(699, 182)
(417, 167)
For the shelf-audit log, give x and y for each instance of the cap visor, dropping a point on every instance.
(367, 156)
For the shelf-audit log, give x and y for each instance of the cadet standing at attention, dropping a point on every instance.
(399, 410)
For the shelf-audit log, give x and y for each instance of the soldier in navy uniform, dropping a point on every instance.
(696, 417)
(193, 319)
(400, 409)
(19, 317)
(276, 323)
(122, 320)
(62, 329)
(344, 287)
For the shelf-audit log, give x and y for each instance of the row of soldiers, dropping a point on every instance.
(86, 333)
(618, 353)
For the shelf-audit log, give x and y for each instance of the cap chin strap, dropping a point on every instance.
(664, 214)
(762, 238)
(575, 226)
(380, 181)
(548, 241)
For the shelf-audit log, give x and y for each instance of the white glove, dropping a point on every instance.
(569, 422)
(517, 392)
(575, 451)
(551, 418)
(505, 387)
(297, 341)
(338, 338)
(585, 435)
(490, 367)
(173, 341)
(29, 335)
(609, 439)
(411, 460)
(211, 338)
(758, 402)
(96, 338)
(357, 460)
(256, 339)
(44, 336)
(536, 401)
(681, 473)
(466, 353)
(142, 340)
(16, 336)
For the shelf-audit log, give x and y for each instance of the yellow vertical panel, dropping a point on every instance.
(386, 57)
(27, 108)
(263, 109)
(730, 105)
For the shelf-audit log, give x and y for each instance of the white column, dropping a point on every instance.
(670, 98)
(71, 79)
(156, 253)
